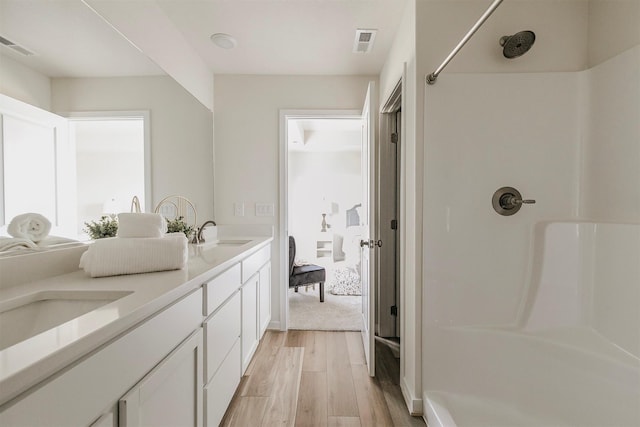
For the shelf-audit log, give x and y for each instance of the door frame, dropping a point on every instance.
(283, 219)
(388, 120)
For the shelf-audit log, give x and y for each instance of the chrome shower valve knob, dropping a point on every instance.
(507, 201)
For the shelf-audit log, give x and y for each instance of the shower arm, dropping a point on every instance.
(431, 78)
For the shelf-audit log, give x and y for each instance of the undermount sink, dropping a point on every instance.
(232, 242)
(24, 317)
(224, 242)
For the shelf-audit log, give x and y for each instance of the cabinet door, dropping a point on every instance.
(171, 394)
(249, 320)
(265, 298)
(219, 392)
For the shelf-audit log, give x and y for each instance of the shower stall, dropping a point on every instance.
(533, 318)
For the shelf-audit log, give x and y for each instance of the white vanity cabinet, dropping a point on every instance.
(89, 390)
(238, 310)
(177, 366)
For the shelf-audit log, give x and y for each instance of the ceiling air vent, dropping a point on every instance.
(11, 45)
(363, 42)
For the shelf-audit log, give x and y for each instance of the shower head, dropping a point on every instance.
(517, 44)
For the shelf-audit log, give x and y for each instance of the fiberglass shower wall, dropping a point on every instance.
(483, 132)
(553, 289)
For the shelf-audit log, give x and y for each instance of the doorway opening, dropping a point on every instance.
(324, 182)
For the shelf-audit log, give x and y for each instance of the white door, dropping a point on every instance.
(368, 242)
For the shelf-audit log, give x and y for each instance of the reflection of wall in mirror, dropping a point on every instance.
(181, 130)
(38, 166)
(110, 165)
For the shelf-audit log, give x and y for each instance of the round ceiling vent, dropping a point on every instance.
(223, 40)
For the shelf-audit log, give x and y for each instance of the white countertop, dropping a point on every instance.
(31, 361)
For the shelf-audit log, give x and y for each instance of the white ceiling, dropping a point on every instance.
(274, 36)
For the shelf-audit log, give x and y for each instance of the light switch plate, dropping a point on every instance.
(238, 209)
(264, 209)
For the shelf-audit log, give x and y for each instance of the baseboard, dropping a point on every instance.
(274, 325)
(414, 404)
(436, 413)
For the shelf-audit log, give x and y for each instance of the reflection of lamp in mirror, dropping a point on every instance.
(326, 210)
(324, 223)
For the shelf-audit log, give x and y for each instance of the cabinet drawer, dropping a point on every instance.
(252, 264)
(221, 331)
(220, 288)
(219, 392)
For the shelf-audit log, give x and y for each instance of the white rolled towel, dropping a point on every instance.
(141, 225)
(115, 256)
(32, 226)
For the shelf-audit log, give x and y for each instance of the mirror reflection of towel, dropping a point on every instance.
(32, 226)
(9, 243)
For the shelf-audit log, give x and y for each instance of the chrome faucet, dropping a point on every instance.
(199, 238)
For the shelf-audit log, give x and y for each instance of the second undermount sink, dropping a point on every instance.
(232, 242)
(24, 317)
(224, 242)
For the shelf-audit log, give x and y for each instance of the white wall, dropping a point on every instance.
(402, 50)
(181, 130)
(23, 83)
(315, 180)
(99, 146)
(247, 142)
(476, 261)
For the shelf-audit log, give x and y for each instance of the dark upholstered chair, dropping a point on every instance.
(304, 274)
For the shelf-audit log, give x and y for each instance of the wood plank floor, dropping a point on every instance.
(318, 378)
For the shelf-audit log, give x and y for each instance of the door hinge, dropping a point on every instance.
(394, 310)
(394, 138)
(394, 224)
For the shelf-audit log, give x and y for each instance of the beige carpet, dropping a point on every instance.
(336, 313)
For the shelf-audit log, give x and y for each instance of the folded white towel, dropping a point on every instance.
(32, 226)
(117, 255)
(11, 243)
(141, 225)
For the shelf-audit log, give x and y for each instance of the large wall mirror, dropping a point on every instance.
(70, 169)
